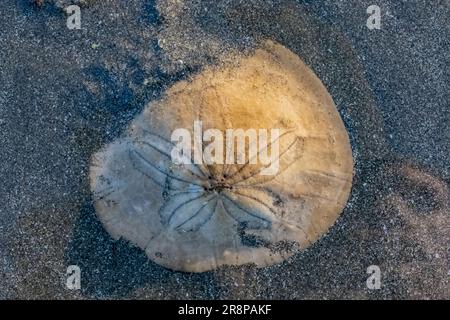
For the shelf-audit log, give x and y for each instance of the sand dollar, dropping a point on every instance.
(199, 215)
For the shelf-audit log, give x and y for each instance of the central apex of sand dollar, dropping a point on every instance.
(199, 215)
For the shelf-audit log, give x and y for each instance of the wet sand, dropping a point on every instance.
(65, 93)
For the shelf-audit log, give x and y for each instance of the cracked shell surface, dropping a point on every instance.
(197, 218)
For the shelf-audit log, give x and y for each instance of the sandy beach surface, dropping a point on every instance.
(65, 93)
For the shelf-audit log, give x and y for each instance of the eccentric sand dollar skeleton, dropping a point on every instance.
(196, 216)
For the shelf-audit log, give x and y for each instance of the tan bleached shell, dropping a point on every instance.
(197, 217)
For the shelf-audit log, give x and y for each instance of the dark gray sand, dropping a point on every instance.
(65, 93)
